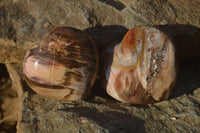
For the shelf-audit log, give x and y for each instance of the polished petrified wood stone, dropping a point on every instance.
(143, 68)
(64, 66)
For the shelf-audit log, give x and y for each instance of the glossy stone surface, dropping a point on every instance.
(64, 66)
(143, 68)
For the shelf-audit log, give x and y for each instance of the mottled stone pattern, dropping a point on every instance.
(24, 23)
(143, 68)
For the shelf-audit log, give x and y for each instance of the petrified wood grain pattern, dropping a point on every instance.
(64, 66)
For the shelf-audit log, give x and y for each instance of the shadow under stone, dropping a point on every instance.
(113, 121)
(186, 39)
(187, 45)
(188, 78)
(104, 36)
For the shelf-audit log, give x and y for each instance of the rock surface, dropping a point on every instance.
(8, 102)
(24, 23)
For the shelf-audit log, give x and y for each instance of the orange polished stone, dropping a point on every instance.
(143, 68)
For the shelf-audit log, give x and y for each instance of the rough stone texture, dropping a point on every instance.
(26, 22)
(167, 11)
